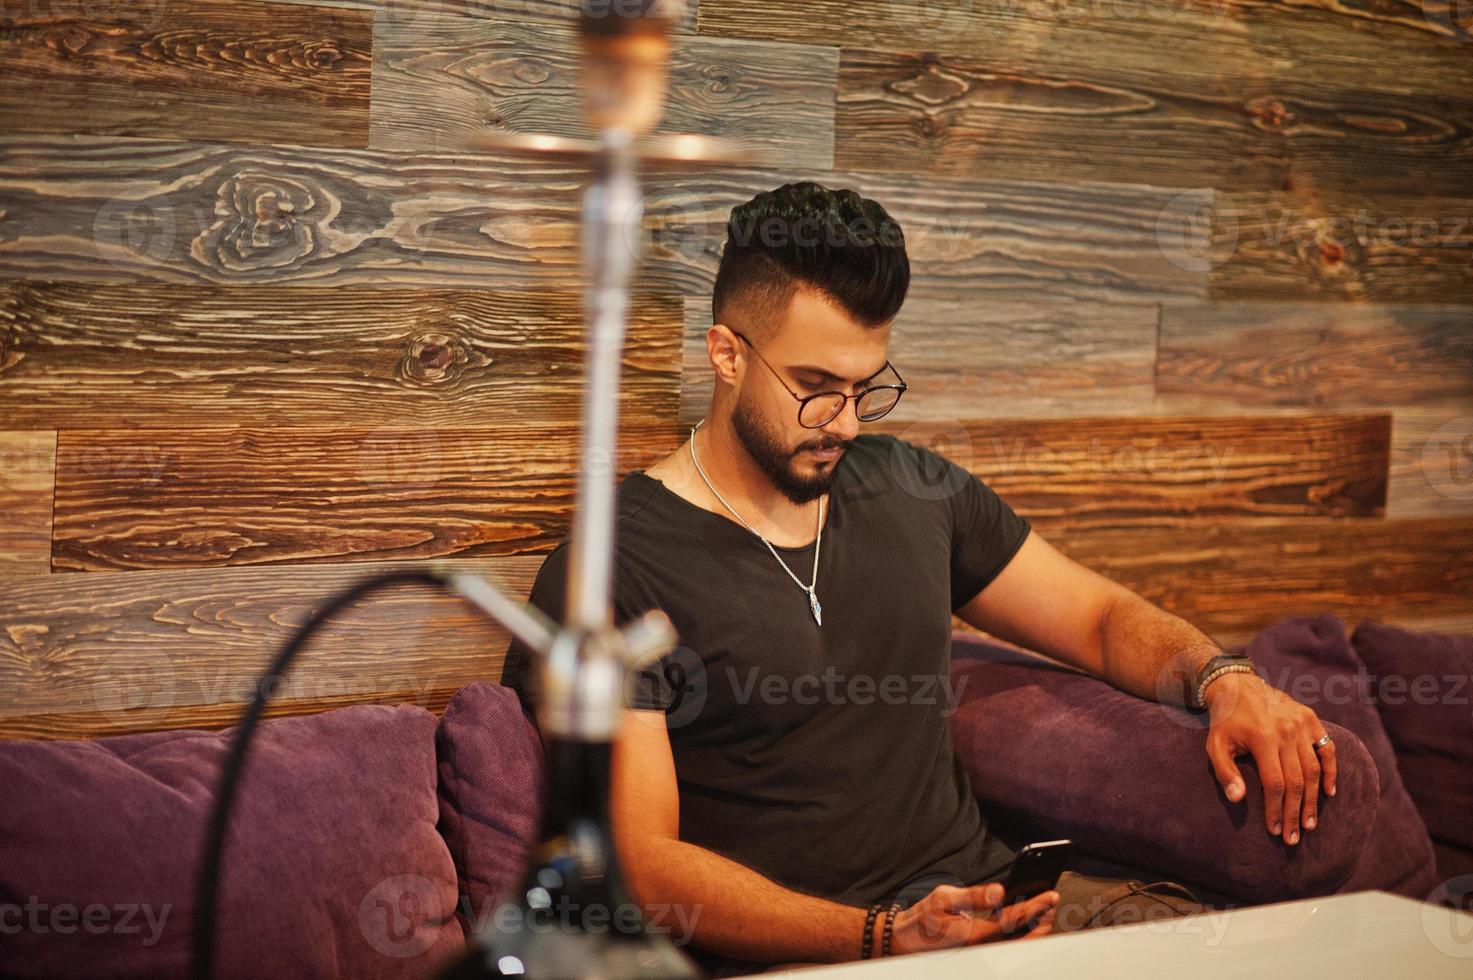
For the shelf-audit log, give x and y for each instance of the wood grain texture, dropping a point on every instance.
(27, 475)
(423, 13)
(194, 69)
(141, 355)
(986, 118)
(57, 725)
(1431, 462)
(441, 82)
(1188, 31)
(1155, 472)
(136, 648)
(1401, 248)
(111, 210)
(1242, 575)
(133, 499)
(1229, 356)
(968, 360)
(1231, 130)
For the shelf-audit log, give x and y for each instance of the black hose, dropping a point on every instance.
(207, 887)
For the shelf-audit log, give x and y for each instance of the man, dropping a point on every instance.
(790, 765)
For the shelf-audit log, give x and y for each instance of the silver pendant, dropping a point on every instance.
(817, 609)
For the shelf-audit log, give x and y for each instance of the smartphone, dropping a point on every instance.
(1036, 869)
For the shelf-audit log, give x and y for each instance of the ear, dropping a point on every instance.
(723, 347)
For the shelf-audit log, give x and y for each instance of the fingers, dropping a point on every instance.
(1327, 764)
(1221, 751)
(1272, 774)
(1019, 914)
(1293, 788)
(1309, 763)
(1044, 927)
(975, 899)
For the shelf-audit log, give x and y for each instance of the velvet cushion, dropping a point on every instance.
(1052, 752)
(333, 867)
(1312, 660)
(1422, 689)
(491, 791)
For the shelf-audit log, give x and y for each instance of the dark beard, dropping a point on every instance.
(762, 444)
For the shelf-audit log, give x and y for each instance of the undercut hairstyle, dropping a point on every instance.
(806, 235)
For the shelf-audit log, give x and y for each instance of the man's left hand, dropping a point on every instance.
(1249, 715)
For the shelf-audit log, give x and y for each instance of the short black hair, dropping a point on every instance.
(804, 234)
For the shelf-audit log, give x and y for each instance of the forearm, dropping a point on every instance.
(734, 911)
(1150, 652)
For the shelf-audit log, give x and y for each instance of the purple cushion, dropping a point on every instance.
(333, 867)
(491, 790)
(1311, 659)
(1422, 689)
(1052, 752)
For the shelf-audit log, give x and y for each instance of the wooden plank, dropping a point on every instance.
(1152, 472)
(1232, 130)
(192, 69)
(990, 117)
(138, 210)
(1008, 358)
(27, 480)
(442, 81)
(96, 654)
(422, 12)
(1231, 356)
(1341, 247)
(206, 717)
(1242, 575)
(1038, 32)
(1431, 462)
(266, 355)
(134, 499)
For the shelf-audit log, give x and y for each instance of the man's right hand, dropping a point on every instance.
(953, 915)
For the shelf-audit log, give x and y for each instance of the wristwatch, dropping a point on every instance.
(1223, 663)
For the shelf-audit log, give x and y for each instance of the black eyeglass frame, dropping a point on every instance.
(803, 400)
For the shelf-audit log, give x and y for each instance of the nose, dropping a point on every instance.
(842, 428)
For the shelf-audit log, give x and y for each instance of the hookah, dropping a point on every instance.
(582, 664)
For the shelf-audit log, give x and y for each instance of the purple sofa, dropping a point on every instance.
(370, 840)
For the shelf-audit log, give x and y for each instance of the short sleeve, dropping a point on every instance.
(985, 531)
(647, 689)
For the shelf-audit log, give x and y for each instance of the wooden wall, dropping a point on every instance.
(1194, 291)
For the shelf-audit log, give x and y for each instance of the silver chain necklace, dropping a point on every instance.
(813, 602)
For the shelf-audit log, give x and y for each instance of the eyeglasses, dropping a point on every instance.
(816, 411)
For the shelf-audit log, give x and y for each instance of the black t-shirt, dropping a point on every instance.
(819, 756)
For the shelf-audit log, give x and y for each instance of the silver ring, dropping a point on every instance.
(1325, 739)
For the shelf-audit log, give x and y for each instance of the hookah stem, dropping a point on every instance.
(613, 218)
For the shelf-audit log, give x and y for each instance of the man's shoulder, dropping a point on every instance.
(880, 459)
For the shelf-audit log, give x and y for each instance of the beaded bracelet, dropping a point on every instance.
(1201, 692)
(889, 926)
(866, 946)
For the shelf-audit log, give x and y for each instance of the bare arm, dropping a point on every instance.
(1046, 601)
(732, 910)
